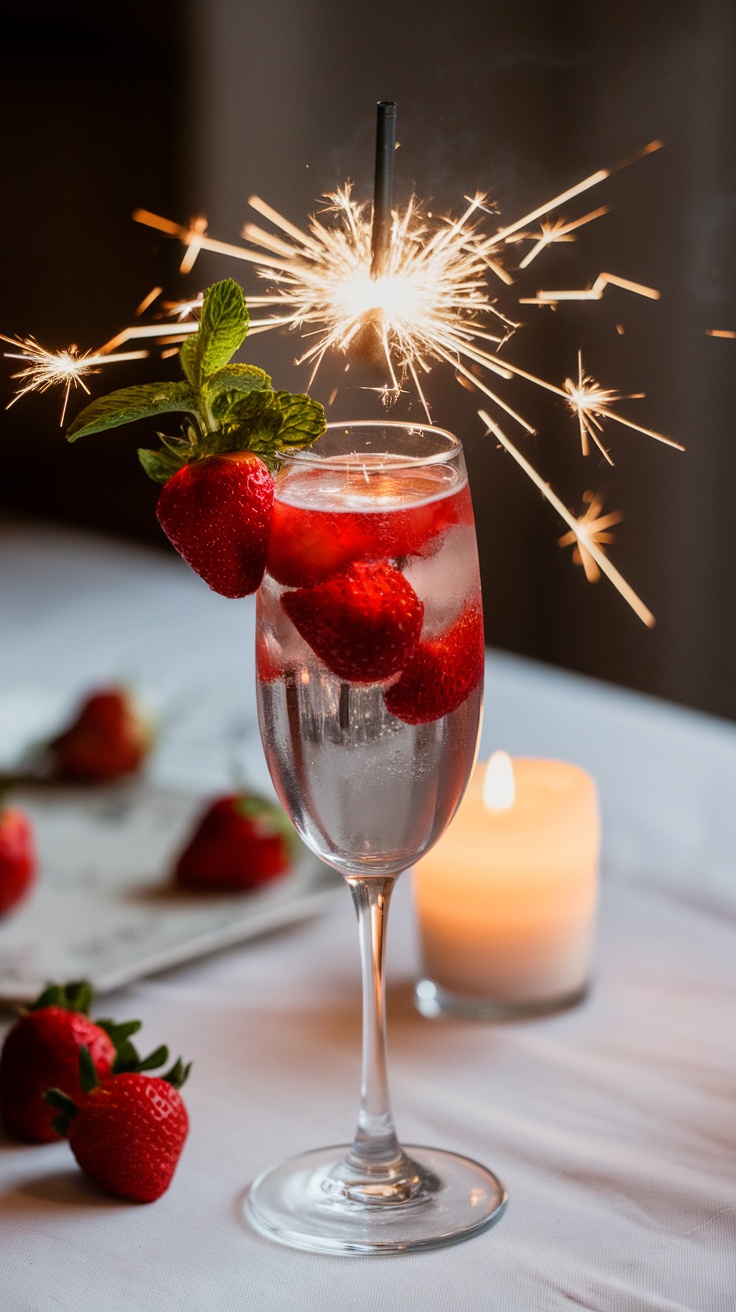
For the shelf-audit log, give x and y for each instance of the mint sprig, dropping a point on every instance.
(232, 407)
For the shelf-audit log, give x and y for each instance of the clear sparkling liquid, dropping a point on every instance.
(368, 792)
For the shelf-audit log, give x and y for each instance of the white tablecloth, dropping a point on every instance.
(613, 1126)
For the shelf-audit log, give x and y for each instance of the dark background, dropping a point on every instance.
(189, 107)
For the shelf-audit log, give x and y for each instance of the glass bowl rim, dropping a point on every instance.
(307, 455)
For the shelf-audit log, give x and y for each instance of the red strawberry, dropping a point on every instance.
(42, 1049)
(441, 673)
(240, 842)
(362, 624)
(309, 545)
(18, 861)
(108, 739)
(216, 511)
(126, 1133)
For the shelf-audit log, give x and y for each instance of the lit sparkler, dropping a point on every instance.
(429, 301)
(424, 286)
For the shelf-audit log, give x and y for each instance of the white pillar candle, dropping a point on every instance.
(506, 899)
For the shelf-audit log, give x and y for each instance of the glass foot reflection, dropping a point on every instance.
(312, 1202)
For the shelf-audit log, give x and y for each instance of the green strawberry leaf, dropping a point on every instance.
(126, 1056)
(178, 1074)
(270, 818)
(67, 1108)
(131, 403)
(225, 388)
(74, 996)
(88, 1077)
(154, 1059)
(223, 327)
(160, 465)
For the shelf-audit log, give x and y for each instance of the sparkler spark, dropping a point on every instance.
(592, 403)
(585, 539)
(434, 301)
(44, 369)
(592, 527)
(431, 303)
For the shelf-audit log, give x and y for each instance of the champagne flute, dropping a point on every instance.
(370, 680)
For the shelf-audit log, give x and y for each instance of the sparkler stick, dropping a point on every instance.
(383, 187)
(577, 526)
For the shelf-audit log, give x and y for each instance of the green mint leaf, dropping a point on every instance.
(303, 420)
(252, 424)
(268, 422)
(223, 327)
(130, 403)
(225, 388)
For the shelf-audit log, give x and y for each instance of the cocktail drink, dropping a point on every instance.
(370, 677)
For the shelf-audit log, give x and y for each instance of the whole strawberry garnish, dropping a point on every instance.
(215, 506)
(217, 513)
(18, 860)
(108, 738)
(441, 673)
(240, 842)
(128, 1131)
(362, 624)
(42, 1049)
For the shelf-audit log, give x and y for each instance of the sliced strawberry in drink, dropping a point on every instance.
(307, 546)
(362, 624)
(417, 530)
(442, 673)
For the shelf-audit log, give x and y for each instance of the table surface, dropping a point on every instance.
(612, 1125)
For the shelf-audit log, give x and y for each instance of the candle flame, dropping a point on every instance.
(499, 785)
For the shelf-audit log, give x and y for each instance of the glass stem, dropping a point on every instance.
(375, 1148)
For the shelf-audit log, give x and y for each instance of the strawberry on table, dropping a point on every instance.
(126, 1132)
(241, 842)
(442, 672)
(108, 739)
(18, 860)
(216, 502)
(362, 624)
(42, 1049)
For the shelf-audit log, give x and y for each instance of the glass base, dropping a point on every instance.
(433, 1001)
(315, 1202)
